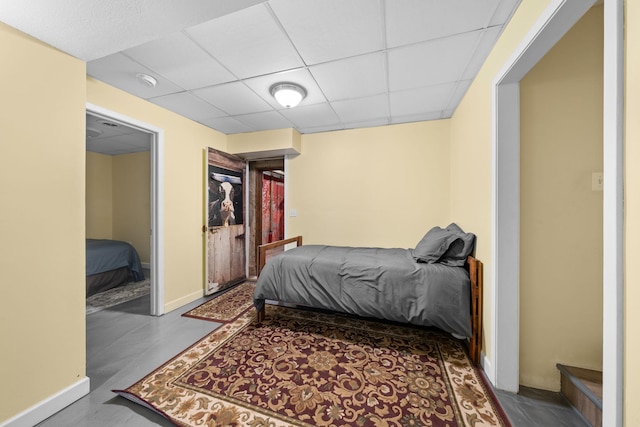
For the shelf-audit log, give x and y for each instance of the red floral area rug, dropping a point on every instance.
(226, 306)
(304, 368)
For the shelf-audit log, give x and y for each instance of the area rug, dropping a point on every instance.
(118, 295)
(305, 368)
(227, 306)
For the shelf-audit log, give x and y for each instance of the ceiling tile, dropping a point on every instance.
(325, 128)
(233, 98)
(411, 21)
(130, 143)
(120, 71)
(422, 100)
(355, 77)
(504, 11)
(265, 121)
(91, 29)
(362, 109)
(188, 105)
(367, 124)
(311, 115)
(487, 40)
(226, 125)
(331, 29)
(249, 43)
(430, 63)
(179, 59)
(420, 117)
(262, 85)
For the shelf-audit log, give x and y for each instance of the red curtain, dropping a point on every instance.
(272, 208)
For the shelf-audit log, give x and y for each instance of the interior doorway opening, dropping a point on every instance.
(155, 242)
(266, 206)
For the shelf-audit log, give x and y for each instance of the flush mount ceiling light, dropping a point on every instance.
(147, 80)
(288, 94)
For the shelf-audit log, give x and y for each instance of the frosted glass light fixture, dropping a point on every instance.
(288, 94)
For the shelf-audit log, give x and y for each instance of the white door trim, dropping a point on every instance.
(613, 216)
(157, 199)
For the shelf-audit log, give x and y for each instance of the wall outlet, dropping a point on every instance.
(596, 181)
(293, 213)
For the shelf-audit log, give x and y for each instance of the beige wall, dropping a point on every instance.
(265, 144)
(383, 187)
(184, 144)
(42, 216)
(131, 201)
(471, 160)
(560, 214)
(99, 197)
(118, 199)
(632, 216)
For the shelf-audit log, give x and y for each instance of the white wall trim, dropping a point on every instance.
(157, 199)
(550, 27)
(505, 237)
(613, 216)
(46, 408)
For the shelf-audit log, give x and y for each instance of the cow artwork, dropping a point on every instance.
(225, 197)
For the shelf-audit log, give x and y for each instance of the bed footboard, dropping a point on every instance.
(261, 256)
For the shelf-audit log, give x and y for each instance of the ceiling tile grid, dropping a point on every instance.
(362, 62)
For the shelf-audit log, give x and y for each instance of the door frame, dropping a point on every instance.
(556, 20)
(157, 199)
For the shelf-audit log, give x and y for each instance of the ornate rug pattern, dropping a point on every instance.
(227, 306)
(304, 368)
(118, 295)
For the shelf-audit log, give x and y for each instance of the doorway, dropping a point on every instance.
(556, 20)
(156, 184)
(266, 206)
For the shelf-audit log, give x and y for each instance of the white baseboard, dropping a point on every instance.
(488, 368)
(146, 265)
(175, 304)
(46, 408)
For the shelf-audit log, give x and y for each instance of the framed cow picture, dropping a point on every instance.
(225, 197)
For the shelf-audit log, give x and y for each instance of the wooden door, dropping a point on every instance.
(225, 215)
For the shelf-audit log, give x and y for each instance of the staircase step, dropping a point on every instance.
(583, 388)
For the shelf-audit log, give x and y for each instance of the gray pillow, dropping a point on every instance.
(433, 245)
(457, 253)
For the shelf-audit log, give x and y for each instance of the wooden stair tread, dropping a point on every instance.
(591, 379)
(583, 388)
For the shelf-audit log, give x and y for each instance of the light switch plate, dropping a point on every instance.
(596, 181)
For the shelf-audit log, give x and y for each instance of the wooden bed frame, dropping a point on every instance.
(476, 275)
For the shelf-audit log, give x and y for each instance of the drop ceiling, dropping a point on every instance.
(362, 62)
(112, 138)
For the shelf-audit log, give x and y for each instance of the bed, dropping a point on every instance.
(110, 263)
(438, 283)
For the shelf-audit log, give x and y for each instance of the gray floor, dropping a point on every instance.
(124, 343)
(533, 407)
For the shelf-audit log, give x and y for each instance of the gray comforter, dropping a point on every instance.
(371, 282)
